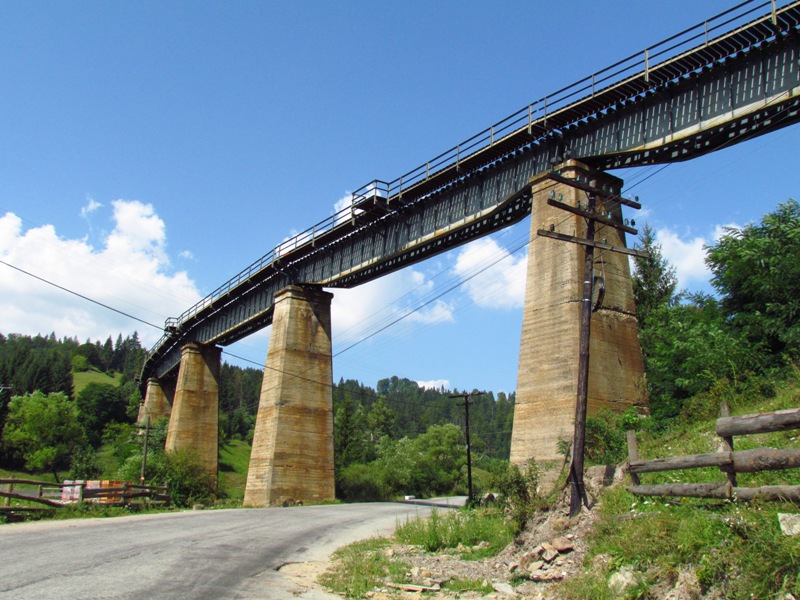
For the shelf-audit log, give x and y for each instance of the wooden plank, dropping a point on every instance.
(761, 423)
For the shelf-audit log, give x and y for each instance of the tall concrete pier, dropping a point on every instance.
(194, 422)
(157, 401)
(549, 348)
(292, 456)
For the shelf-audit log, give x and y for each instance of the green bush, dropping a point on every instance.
(181, 471)
(359, 483)
(519, 493)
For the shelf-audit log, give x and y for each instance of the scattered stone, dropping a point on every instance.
(527, 558)
(562, 544)
(535, 566)
(198, 507)
(601, 561)
(504, 588)
(390, 552)
(549, 554)
(481, 545)
(411, 587)
(513, 567)
(622, 580)
(547, 576)
(790, 524)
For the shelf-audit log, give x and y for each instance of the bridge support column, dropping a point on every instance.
(194, 422)
(549, 348)
(157, 401)
(292, 456)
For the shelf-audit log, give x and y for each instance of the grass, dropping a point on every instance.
(452, 529)
(362, 566)
(234, 461)
(81, 379)
(737, 548)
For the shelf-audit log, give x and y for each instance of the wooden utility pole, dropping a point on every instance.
(592, 216)
(466, 398)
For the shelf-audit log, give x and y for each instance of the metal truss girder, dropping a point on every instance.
(668, 115)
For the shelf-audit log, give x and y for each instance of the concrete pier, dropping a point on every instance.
(292, 456)
(157, 401)
(549, 347)
(194, 422)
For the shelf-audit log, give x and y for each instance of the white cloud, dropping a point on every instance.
(435, 384)
(502, 284)
(186, 255)
(688, 255)
(359, 311)
(92, 206)
(129, 272)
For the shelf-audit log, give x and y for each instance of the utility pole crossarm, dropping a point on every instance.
(585, 242)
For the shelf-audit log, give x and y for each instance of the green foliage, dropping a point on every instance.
(180, 470)
(360, 483)
(519, 493)
(687, 348)
(80, 363)
(654, 279)
(466, 528)
(361, 567)
(99, 405)
(756, 269)
(85, 465)
(43, 431)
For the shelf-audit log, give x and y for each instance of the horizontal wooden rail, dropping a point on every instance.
(722, 491)
(780, 420)
(740, 461)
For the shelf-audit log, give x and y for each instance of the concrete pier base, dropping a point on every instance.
(194, 422)
(292, 456)
(549, 348)
(157, 401)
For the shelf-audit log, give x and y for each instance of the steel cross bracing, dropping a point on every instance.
(728, 79)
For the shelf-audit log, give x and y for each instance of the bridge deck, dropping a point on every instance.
(727, 78)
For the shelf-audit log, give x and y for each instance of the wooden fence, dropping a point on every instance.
(727, 459)
(56, 495)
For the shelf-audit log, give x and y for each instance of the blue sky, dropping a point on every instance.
(151, 150)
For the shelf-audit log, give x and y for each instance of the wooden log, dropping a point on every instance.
(776, 493)
(741, 461)
(633, 456)
(686, 490)
(780, 420)
(727, 446)
(765, 459)
(692, 461)
(16, 496)
(31, 482)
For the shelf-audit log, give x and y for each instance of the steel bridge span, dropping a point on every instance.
(728, 79)
(719, 83)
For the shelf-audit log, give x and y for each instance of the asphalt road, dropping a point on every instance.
(186, 555)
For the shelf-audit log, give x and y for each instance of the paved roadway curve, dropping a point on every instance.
(188, 555)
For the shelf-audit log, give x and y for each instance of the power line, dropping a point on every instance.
(69, 291)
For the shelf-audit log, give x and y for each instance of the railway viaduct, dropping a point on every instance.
(724, 81)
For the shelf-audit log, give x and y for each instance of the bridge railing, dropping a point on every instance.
(533, 118)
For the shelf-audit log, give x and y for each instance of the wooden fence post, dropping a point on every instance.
(727, 443)
(633, 455)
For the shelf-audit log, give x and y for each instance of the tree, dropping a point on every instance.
(756, 270)
(654, 279)
(43, 431)
(98, 405)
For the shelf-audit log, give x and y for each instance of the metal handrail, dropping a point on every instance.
(538, 111)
